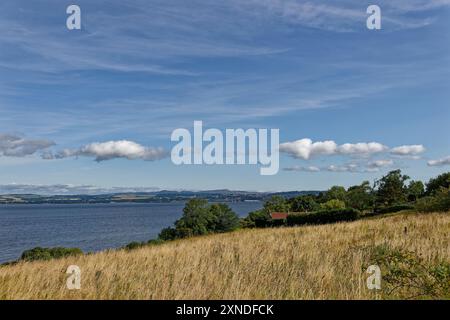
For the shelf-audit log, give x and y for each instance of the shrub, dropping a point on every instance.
(39, 253)
(184, 233)
(406, 274)
(440, 201)
(395, 208)
(322, 217)
(256, 219)
(168, 234)
(155, 241)
(134, 245)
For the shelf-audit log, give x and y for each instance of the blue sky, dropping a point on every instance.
(137, 70)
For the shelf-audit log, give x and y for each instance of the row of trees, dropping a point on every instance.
(393, 192)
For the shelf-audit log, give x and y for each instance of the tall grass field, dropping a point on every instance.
(308, 262)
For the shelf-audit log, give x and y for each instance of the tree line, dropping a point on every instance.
(391, 193)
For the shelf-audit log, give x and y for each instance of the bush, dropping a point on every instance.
(407, 274)
(134, 245)
(322, 217)
(154, 242)
(39, 253)
(256, 219)
(167, 234)
(395, 208)
(440, 201)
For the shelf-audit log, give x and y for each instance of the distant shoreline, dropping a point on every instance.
(151, 197)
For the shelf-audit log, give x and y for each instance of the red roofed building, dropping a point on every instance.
(278, 215)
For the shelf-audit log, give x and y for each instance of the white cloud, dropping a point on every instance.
(15, 146)
(102, 151)
(373, 166)
(408, 150)
(305, 148)
(439, 162)
(351, 167)
(361, 148)
(379, 164)
(305, 169)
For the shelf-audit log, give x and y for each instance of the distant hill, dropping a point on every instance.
(155, 196)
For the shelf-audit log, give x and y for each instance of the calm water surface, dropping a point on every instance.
(91, 227)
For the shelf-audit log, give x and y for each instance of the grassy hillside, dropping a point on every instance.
(312, 262)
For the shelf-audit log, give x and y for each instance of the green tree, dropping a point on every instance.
(360, 197)
(336, 192)
(333, 204)
(441, 181)
(415, 190)
(224, 219)
(258, 218)
(196, 217)
(305, 203)
(391, 188)
(276, 204)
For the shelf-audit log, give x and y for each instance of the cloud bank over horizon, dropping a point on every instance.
(68, 189)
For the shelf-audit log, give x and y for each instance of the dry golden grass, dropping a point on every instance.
(313, 262)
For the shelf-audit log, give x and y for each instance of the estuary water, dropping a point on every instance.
(90, 227)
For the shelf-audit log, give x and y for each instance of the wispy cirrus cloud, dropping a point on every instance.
(349, 15)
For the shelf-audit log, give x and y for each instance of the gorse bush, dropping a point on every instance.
(39, 253)
(405, 274)
(322, 217)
